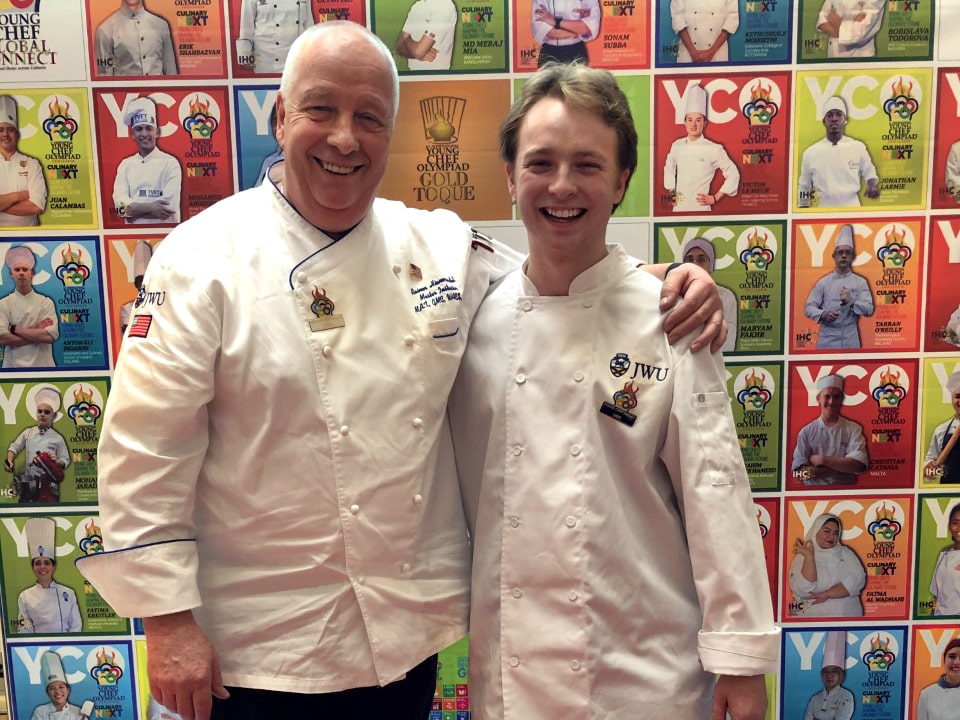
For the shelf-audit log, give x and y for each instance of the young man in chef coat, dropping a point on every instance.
(616, 559)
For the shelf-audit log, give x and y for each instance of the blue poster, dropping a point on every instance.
(740, 32)
(51, 295)
(85, 679)
(256, 145)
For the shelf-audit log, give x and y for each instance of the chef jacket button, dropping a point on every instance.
(521, 378)
(517, 450)
(405, 567)
(527, 306)
(354, 508)
(327, 351)
(575, 665)
(588, 303)
(417, 423)
(301, 277)
(701, 398)
(571, 521)
(417, 499)
(574, 450)
(396, 269)
(516, 592)
(514, 521)
(344, 430)
(514, 661)
(361, 580)
(409, 340)
(578, 376)
(573, 595)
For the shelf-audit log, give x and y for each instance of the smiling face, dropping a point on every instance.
(146, 138)
(334, 126)
(58, 692)
(828, 536)
(834, 121)
(566, 179)
(9, 136)
(951, 666)
(695, 123)
(43, 568)
(831, 400)
(953, 526)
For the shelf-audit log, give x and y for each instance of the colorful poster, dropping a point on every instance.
(125, 266)
(439, 36)
(611, 34)
(720, 143)
(757, 392)
(945, 190)
(444, 152)
(51, 457)
(940, 400)
(452, 696)
(943, 293)
(849, 424)
(755, 32)
(863, 668)
(180, 38)
(857, 286)
(185, 136)
(768, 518)
(937, 587)
(837, 31)
(262, 32)
(39, 41)
(98, 679)
(861, 139)
(929, 648)
(27, 611)
(257, 146)
(66, 285)
(55, 160)
(859, 567)
(747, 263)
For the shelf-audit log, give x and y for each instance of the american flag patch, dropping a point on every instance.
(140, 326)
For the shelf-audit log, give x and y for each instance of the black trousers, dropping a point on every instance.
(407, 699)
(563, 54)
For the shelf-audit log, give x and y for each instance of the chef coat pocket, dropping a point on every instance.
(716, 434)
(445, 329)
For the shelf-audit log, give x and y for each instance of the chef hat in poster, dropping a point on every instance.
(845, 238)
(142, 253)
(953, 383)
(835, 650)
(20, 255)
(51, 668)
(704, 245)
(8, 111)
(695, 101)
(41, 535)
(830, 381)
(140, 111)
(834, 103)
(46, 395)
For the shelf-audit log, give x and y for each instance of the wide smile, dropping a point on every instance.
(337, 169)
(563, 214)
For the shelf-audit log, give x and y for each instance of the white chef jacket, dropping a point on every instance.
(841, 565)
(953, 326)
(49, 610)
(838, 704)
(832, 173)
(587, 11)
(689, 170)
(941, 436)
(134, 42)
(22, 172)
(34, 441)
(437, 18)
(845, 439)
(47, 711)
(704, 20)
(939, 701)
(585, 586)
(268, 29)
(953, 171)
(156, 176)
(945, 585)
(28, 310)
(856, 36)
(294, 488)
(729, 303)
(844, 332)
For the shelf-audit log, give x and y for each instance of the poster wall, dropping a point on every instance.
(806, 154)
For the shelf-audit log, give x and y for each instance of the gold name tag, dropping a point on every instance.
(327, 322)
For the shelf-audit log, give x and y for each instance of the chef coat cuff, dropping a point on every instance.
(740, 653)
(147, 580)
(244, 48)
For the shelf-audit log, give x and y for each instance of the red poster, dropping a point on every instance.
(768, 517)
(945, 190)
(943, 289)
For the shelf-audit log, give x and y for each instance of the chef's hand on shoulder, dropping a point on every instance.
(182, 666)
(690, 295)
(744, 697)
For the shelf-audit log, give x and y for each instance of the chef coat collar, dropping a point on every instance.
(133, 14)
(593, 278)
(942, 682)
